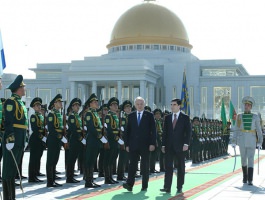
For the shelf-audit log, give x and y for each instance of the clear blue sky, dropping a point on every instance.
(45, 31)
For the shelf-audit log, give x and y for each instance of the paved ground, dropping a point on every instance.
(232, 188)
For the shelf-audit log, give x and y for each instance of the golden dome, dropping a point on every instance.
(149, 23)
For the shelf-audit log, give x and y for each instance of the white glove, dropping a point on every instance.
(106, 126)
(120, 141)
(66, 117)
(103, 140)
(9, 146)
(66, 126)
(64, 140)
(0, 144)
(122, 129)
(259, 146)
(44, 139)
(47, 133)
(83, 141)
(46, 127)
(233, 145)
(85, 128)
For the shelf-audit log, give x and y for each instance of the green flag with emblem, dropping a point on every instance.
(223, 114)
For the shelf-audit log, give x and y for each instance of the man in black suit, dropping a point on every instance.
(140, 140)
(175, 141)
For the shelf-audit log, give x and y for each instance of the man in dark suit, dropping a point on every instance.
(139, 141)
(175, 141)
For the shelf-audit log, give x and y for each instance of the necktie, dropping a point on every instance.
(139, 118)
(174, 121)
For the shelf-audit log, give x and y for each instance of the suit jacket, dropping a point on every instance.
(180, 135)
(140, 137)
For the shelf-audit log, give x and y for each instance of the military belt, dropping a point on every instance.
(78, 131)
(59, 130)
(20, 126)
(98, 129)
(248, 131)
(41, 131)
(115, 132)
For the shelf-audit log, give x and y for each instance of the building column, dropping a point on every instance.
(94, 87)
(130, 92)
(143, 88)
(73, 90)
(84, 95)
(151, 95)
(119, 90)
(106, 93)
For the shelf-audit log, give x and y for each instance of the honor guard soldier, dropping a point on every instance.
(76, 140)
(247, 135)
(112, 125)
(195, 140)
(16, 124)
(105, 111)
(36, 140)
(126, 108)
(55, 137)
(157, 154)
(94, 139)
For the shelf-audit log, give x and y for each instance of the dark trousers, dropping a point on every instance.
(169, 157)
(133, 164)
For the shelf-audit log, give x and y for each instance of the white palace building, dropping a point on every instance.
(148, 51)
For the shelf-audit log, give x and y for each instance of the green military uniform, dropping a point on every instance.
(102, 150)
(55, 129)
(123, 154)
(156, 154)
(76, 138)
(93, 143)
(36, 141)
(195, 140)
(16, 124)
(113, 135)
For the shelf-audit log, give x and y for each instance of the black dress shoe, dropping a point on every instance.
(56, 172)
(72, 181)
(121, 178)
(165, 190)
(114, 180)
(100, 175)
(144, 189)
(179, 190)
(109, 181)
(58, 185)
(51, 185)
(90, 184)
(250, 183)
(127, 187)
(57, 177)
(137, 176)
(40, 174)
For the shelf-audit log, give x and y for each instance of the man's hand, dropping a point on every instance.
(64, 140)
(44, 139)
(127, 149)
(9, 146)
(233, 145)
(259, 146)
(163, 149)
(185, 147)
(151, 147)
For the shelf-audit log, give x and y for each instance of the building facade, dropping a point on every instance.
(148, 52)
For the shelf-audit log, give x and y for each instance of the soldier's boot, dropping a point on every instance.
(250, 175)
(54, 176)
(89, 178)
(35, 173)
(245, 174)
(5, 189)
(107, 176)
(50, 180)
(70, 174)
(111, 178)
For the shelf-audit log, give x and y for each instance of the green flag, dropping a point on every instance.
(232, 113)
(223, 115)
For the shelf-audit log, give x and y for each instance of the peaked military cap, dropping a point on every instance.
(44, 107)
(105, 105)
(58, 97)
(126, 103)
(166, 112)
(18, 82)
(112, 101)
(157, 110)
(36, 100)
(93, 97)
(148, 108)
(248, 100)
(75, 101)
(196, 118)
